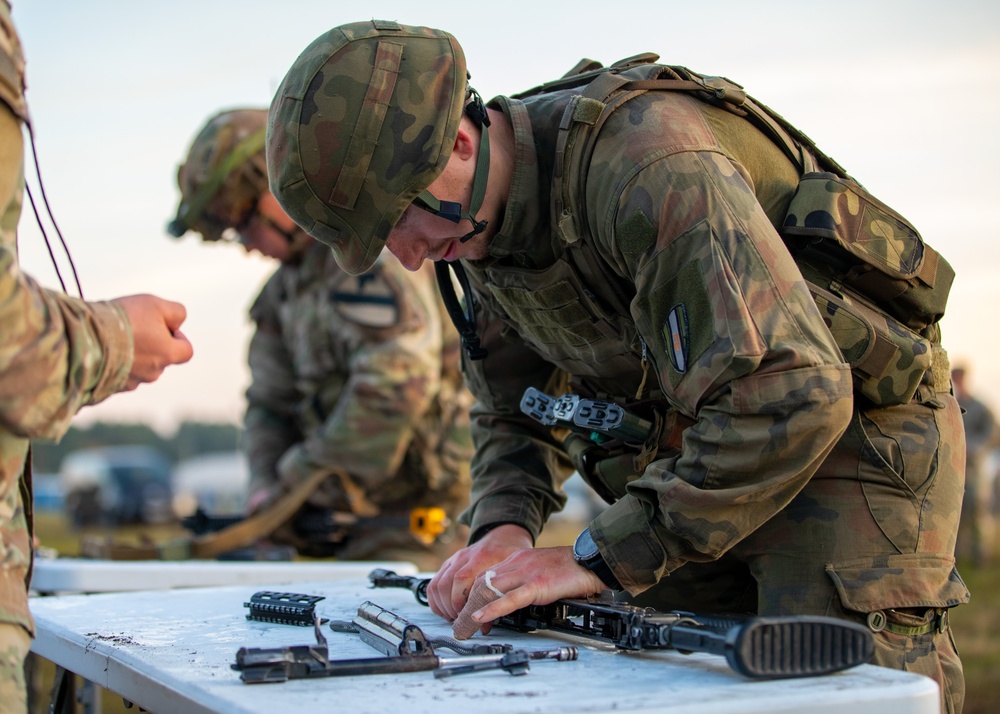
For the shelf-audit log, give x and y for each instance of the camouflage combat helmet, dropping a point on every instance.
(363, 122)
(224, 174)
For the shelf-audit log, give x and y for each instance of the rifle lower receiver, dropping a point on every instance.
(756, 647)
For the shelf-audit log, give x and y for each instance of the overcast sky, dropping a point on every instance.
(904, 94)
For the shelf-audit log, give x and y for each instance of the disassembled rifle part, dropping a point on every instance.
(283, 608)
(382, 578)
(409, 649)
(392, 635)
(755, 647)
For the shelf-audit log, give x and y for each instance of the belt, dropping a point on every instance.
(878, 621)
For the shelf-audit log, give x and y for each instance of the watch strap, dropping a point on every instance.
(601, 569)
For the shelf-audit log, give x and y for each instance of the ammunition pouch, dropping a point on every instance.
(866, 246)
(875, 281)
(888, 361)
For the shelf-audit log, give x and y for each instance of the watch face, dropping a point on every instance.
(585, 548)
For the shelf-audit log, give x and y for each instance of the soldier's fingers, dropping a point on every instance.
(174, 313)
(513, 600)
(433, 593)
(440, 588)
(460, 589)
(181, 348)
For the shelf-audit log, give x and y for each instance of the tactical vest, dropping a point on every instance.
(880, 289)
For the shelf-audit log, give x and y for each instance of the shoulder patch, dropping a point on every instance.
(680, 310)
(677, 338)
(367, 300)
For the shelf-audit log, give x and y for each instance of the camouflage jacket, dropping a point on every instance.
(713, 320)
(57, 353)
(359, 373)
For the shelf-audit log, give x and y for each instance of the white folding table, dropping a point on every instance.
(172, 651)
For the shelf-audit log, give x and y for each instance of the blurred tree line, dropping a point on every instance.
(190, 439)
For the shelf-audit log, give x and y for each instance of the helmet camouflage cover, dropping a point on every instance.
(224, 175)
(364, 120)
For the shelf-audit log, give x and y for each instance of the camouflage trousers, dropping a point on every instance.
(14, 645)
(871, 539)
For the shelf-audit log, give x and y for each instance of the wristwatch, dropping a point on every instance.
(587, 554)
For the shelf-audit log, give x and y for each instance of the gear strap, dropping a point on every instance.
(209, 545)
(463, 319)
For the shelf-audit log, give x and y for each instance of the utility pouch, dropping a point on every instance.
(887, 360)
(834, 224)
(607, 471)
(610, 467)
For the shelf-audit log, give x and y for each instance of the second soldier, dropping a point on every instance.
(354, 376)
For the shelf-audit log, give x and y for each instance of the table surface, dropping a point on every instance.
(82, 575)
(171, 650)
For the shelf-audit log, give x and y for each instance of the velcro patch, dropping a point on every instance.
(680, 310)
(367, 300)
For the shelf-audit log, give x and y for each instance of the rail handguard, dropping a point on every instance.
(283, 608)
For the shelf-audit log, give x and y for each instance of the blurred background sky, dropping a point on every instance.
(905, 94)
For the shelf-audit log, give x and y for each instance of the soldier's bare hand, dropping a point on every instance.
(448, 591)
(536, 577)
(158, 341)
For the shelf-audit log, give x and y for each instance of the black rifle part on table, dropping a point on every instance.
(755, 647)
(407, 647)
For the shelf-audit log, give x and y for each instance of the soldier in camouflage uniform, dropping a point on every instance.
(57, 355)
(355, 375)
(655, 276)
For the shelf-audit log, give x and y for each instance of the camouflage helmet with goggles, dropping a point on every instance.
(224, 175)
(363, 122)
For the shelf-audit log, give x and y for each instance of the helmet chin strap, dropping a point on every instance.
(452, 210)
(464, 317)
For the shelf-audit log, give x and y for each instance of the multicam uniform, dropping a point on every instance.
(788, 494)
(56, 355)
(360, 374)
